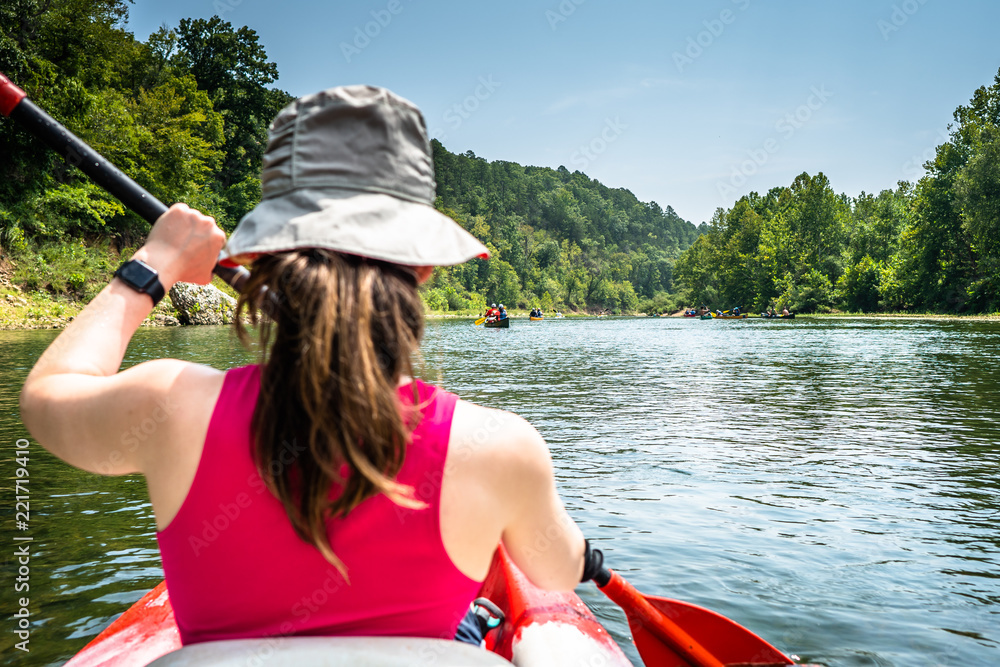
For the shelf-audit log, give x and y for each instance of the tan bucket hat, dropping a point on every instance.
(350, 169)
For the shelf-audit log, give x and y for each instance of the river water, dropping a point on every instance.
(830, 484)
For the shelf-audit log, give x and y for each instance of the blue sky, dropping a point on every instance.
(689, 104)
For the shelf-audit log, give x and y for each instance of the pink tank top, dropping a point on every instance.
(236, 569)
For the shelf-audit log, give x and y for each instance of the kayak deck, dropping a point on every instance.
(331, 652)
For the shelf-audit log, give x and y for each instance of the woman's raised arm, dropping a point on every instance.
(74, 402)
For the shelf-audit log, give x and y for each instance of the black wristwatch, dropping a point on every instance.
(142, 278)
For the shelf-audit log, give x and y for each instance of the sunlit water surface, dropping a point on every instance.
(832, 485)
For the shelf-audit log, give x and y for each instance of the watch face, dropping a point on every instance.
(137, 274)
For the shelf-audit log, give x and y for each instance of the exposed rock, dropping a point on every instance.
(202, 304)
(160, 320)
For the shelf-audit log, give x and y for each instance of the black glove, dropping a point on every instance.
(593, 566)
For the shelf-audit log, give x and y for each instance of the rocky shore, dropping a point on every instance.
(186, 304)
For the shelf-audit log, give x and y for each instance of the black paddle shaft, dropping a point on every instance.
(77, 153)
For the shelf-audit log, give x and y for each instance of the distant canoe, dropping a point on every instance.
(536, 319)
(790, 316)
(724, 317)
(498, 324)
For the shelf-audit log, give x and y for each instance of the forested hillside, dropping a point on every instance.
(933, 246)
(559, 239)
(185, 114)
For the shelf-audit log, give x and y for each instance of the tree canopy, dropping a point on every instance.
(183, 113)
(929, 246)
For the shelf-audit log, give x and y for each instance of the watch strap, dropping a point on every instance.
(152, 286)
(155, 290)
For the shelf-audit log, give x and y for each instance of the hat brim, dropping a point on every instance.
(368, 224)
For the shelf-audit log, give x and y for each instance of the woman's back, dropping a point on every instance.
(236, 569)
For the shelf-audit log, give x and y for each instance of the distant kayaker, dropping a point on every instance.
(322, 491)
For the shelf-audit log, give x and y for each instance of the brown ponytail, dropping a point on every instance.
(337, 332)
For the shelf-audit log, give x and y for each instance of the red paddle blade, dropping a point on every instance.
(670, 633)
(726, 640)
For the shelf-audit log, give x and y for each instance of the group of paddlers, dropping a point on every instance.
(770, 312)
(691, 312)
(536, 312)
(494, 313)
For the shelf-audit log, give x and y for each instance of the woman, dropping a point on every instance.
(354, 499)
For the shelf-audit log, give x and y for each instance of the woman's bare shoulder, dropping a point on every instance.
(498, 438)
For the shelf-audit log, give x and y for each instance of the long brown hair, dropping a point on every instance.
(337, 332)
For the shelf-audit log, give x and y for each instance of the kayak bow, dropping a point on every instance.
(540, 628)
(544, 627)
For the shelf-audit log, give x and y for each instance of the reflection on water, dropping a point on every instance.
(831, 485)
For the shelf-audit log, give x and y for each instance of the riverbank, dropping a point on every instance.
(905, 316)
(22, 309)
(37, 309)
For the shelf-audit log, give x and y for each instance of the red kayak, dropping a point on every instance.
(540, 628)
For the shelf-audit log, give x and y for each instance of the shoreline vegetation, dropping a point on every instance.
(185, 114)
(21, 311)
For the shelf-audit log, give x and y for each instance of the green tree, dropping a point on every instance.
(232, 67)
(978, 196)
